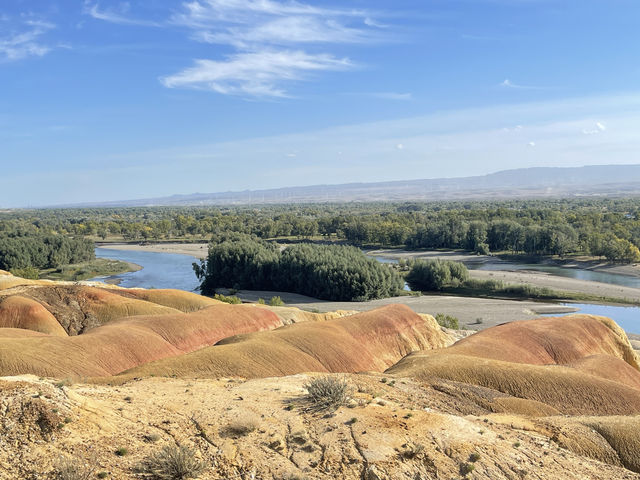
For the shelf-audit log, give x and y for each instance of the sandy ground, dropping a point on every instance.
(467, 310)
(198, 250)
(541, 279)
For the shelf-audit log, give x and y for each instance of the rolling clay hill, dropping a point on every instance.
(99, 381)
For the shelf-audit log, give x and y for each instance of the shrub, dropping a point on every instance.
(26, 272)
(232, 299)
(447, 321)
(121, 452)
(467, 468)
(173, 463)
(276, 302)
(70, 469)
(327, 393)
(244, 423)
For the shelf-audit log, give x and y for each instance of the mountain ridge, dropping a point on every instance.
(533, 182)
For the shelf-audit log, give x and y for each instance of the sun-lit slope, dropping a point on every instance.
(579, 364)
(611, 368)
(555, 340)
(129, 342)
(177, 299)
(566, 389)
(368, 341)
(20, 312)
(295, 315)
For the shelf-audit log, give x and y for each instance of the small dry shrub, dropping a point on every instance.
(327, 393)
(173, 463)
(244, 423)
(412, 450)
(71, 469)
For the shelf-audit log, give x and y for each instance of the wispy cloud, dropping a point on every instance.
(269, 38)
(256, 74)
(509, 84)
(119, 15)
(392, 96)
(599, 128)
(25, 40)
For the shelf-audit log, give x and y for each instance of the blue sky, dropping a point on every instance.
(108, 100)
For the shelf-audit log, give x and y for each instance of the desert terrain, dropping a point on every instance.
(99, 381)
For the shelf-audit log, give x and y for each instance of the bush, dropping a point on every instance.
(447, 321)
(173, 463)
(327, 393)
(436, 275)
(71, 469)
(26, 272)
(223, 298)
(276, 302)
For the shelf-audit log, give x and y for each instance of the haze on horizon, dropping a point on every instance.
(107, 100)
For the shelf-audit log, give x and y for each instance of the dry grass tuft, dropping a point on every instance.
(327, 393)
(71, 469)
(173, 463)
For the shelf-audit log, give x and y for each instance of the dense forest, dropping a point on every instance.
(602, 227)
(42, 251)
(329, 272)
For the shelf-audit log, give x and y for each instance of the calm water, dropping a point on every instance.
(627, 317)
(159, 270)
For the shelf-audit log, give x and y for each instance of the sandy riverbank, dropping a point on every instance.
(583, 262)
(198, 250)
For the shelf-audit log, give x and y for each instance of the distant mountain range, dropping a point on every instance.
(539, 182)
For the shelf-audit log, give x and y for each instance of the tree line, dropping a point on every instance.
(43, 251)
(606, 227)
(328, 272)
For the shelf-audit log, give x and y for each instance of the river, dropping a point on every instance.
(159, 270)
(172, 270)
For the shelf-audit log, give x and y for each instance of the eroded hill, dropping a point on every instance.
(101, 379)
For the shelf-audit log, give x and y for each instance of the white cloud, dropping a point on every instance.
(269, 38)
(392, 95)
(255, 74)
(118, 16)
(506, 83)
(400, 146)
(27, 42)
(599, 128)
(532, 144)
(286, 31)
(373, 23)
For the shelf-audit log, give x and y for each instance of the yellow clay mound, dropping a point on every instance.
(130, 342)
(290, 315)
(20, 333)
(177, 299)
(366, 341)
(555, 340)
(25, 313)
(611, 368)
(568, 390)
